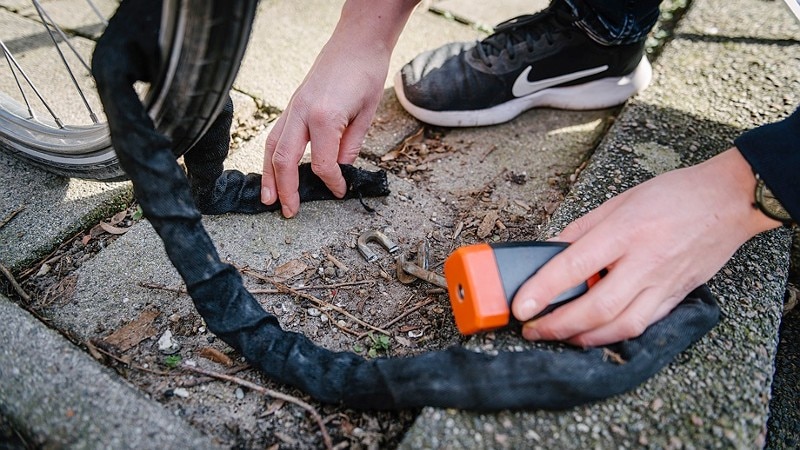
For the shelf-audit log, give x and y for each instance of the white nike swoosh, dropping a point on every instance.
(523, 87)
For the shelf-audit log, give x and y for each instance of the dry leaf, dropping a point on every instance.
(403, 341)
(96, 231)
(139, 329)
(215, 355)
(118, 217)
(522, 204)
(273, 407)
(391, 156)
(413, 139)
(487, 224)
(111, 229)
(64, 291)
(290, 270)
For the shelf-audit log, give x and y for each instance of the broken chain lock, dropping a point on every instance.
(407, 271)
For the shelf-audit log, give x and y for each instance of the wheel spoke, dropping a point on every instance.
(10, 57)
(97, 12)
(48, 22)
(19, 85)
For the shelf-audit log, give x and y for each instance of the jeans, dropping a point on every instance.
(615, 22)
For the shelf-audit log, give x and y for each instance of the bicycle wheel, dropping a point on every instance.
(202, 43)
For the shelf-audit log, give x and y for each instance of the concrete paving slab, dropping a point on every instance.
(784, 417)
(59, 397)
(392, 124)
(14, 5)
(716, 393)
(72, 16)
(109, 292)
(53, 209)
(287, 37)
(536, 153)
(548, 144)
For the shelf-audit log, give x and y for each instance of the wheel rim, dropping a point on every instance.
(74, 133)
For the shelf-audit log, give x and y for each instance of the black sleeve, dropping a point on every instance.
(773, 152)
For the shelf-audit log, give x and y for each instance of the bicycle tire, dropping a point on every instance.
(202, 45)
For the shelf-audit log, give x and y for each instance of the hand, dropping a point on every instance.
(658, 240)
(333, 107)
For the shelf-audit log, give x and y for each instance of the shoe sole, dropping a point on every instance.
(597, 94)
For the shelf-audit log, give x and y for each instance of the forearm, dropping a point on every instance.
(372, 25)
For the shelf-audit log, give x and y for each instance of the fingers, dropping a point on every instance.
(288, 151)
(353, 138)
(574, 265)
(648, 308)
(326, 136)
(285, 147)
(269, 191)
(602, 304)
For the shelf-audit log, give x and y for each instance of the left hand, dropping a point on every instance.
(658, 240)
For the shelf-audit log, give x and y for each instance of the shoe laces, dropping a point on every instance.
(528, 28)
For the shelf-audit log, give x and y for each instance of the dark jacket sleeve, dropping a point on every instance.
(773, 152)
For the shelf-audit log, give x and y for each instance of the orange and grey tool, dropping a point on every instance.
(482, 280)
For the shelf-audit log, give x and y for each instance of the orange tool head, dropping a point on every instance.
(476, 289)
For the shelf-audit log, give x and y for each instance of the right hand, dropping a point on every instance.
(332, 109)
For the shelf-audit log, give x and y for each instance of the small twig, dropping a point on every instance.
(182, 290)
(202, 380)
(458, 229)
(403, 315)
(265, 391)
(306, 288)
(489, 152)
(336, 262)
(128, 364)
(162, 287)
(13, 214)
(10, 277)
(319, 302)
(52, 257)
(484, 189)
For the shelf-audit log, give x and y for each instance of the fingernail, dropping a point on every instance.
(266, 195)
(286, 212)
(529, 331)
(526, 309)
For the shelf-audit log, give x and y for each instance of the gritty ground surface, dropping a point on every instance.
(68, 288)
(111, 289)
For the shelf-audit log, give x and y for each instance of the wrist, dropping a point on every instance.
(734, 175)
(373, 26)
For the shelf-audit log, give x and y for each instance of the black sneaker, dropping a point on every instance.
(534, 60)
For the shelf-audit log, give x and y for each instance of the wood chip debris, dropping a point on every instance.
(136, 331)
(487, 224)
(613, 356)
(216, 356)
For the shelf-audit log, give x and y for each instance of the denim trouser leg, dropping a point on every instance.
(615, 22)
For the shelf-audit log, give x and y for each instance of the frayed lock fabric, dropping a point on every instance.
(456, 377)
